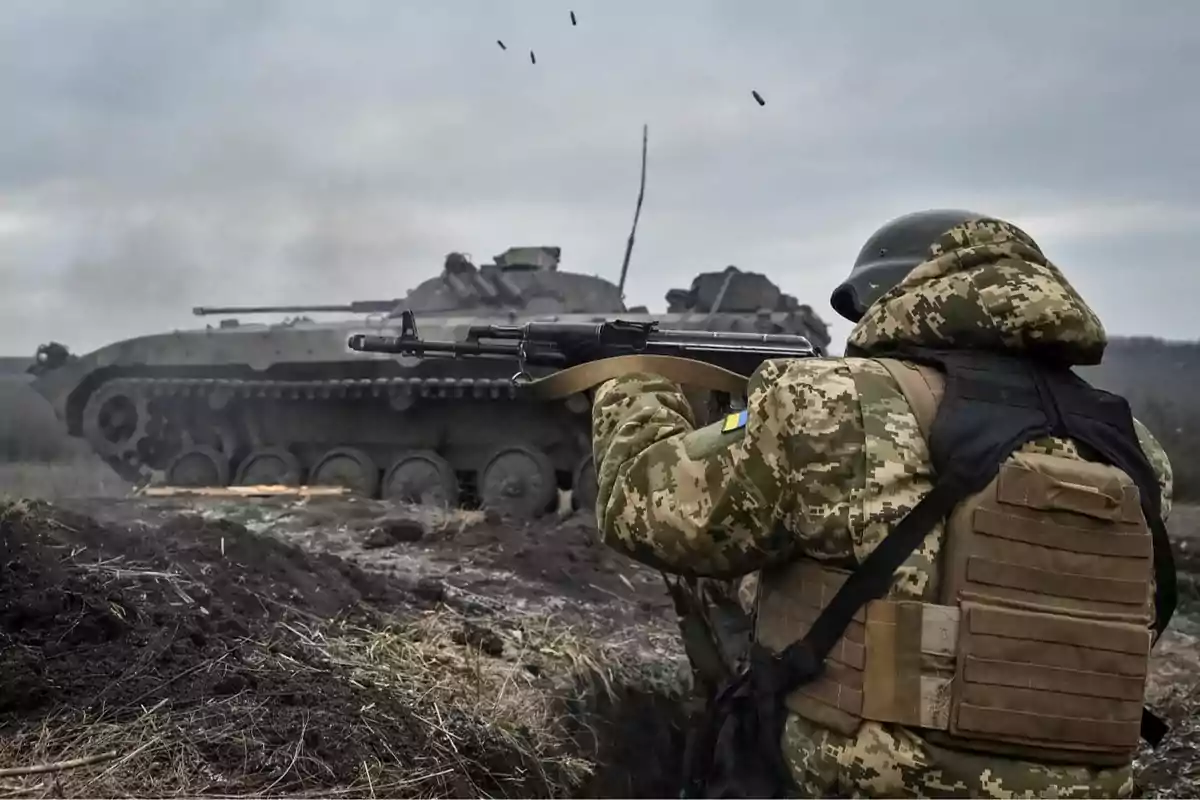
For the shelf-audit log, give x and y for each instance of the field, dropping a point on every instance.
(338, 647)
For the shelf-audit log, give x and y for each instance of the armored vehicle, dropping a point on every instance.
(289, 403)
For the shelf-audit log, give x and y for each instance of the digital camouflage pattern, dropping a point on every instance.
(985, 285)
(829, 458)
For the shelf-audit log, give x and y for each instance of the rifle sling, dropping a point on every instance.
(581, 377)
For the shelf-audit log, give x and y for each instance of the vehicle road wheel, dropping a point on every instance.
(421, 477)
(270, 466)
(198, 467)
(349, 467)
(114, 421)
(584, 488)
(518, 481)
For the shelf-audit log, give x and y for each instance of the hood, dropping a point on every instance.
(985, 285)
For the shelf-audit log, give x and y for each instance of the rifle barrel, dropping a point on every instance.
(401, 345)
(739, 339)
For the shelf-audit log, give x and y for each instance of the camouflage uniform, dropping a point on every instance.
(829, 459)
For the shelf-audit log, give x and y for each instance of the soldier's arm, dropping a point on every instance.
(1158, 459)
(710, 501)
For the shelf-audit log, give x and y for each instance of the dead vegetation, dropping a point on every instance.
(153, 676)
(435, 717)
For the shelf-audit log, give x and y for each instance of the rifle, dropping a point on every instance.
(585, 354)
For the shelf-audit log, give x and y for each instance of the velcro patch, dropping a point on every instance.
(735, 421)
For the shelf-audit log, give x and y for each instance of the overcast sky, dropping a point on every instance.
(156, 156)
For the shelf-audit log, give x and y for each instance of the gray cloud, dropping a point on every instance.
(158, 156)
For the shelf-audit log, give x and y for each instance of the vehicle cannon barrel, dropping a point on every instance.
(356, 307)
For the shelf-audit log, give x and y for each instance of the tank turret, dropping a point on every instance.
(521, 279)
(735, 300)
(730, 291)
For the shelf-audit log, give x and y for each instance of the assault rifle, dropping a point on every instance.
(585, 354)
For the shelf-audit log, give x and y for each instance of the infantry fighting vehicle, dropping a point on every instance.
(289, 403)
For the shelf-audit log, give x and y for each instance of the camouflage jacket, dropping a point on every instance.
(829, 458)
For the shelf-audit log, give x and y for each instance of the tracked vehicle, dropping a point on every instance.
(289, 403)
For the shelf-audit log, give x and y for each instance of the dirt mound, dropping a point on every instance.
(252, 576)
(200, 658)
(117, 614)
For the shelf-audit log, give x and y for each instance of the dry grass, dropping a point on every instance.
(437, 704)
(159, 750)
(448, 522)
(503, 716)
(519, 696)
(439, 652)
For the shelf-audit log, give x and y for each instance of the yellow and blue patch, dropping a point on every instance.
(716, 437)
(735, 422)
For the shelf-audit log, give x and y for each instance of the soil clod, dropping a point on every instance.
(197, 656)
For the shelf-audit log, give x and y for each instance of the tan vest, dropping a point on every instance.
(1040, 645)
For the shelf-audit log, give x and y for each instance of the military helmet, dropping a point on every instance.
(890, 254)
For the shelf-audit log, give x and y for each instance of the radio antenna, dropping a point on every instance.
(636, 214)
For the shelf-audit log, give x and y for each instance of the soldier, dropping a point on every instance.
(959, 544)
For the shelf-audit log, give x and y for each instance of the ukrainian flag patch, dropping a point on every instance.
(735, 421)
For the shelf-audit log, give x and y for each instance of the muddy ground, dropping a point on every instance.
(340, 647)
(272, 648)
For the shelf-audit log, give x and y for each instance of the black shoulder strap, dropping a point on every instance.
(1105, 423)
